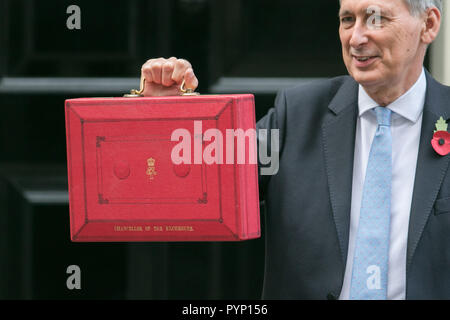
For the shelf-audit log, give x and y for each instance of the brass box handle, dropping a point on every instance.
(140, 93)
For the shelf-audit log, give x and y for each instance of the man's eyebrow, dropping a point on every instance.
(384, 12)
(345, 13)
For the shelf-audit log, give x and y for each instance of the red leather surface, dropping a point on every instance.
(124, 186)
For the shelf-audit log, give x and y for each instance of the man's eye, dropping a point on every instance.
(376, 20)
(346, 19)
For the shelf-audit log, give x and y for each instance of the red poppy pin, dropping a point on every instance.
(441, 138)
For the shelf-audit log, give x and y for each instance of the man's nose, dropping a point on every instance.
(359, 35)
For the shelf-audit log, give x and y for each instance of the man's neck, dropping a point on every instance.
(385, 95)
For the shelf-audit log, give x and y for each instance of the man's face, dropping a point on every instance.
(381, 42)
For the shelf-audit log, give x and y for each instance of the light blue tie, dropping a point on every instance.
(370, 263)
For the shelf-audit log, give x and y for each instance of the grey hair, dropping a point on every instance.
(417, 7)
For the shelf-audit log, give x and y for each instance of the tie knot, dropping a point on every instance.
(383, 116)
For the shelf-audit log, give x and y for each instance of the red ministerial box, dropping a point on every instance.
(124, 184)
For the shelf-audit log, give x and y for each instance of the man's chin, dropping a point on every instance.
(366, 78)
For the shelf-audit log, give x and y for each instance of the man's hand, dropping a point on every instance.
(163, 77)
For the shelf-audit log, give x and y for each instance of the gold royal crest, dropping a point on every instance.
(151, 170)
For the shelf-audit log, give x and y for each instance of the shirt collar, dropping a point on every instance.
(409, 106)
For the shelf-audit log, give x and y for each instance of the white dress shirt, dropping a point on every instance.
(406, 128)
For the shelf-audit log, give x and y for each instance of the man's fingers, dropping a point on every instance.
(167, 72)
(146, 73)
(156, 69)
(190, 80)
(164, 76)
(181, 66)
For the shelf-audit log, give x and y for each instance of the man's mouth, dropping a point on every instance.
(364, 61)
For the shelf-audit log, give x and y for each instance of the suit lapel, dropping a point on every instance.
(339, 131)
(431, 167)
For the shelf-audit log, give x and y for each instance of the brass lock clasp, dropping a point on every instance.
(186, 91)
(137, 93)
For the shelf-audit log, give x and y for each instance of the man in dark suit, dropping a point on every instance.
(360, 206)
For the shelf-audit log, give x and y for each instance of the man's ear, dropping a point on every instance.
(432, 25)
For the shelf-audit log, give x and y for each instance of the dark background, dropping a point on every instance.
(243, 46)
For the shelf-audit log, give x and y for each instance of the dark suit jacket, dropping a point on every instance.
(308, 201)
